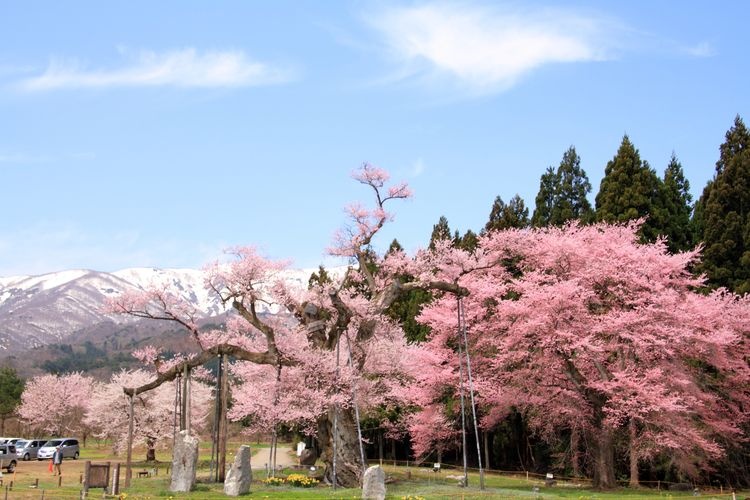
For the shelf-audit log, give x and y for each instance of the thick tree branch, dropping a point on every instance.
(262, 358)
(251, 316)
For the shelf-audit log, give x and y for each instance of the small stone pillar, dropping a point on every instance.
(373, 483)
(240, 474)
(184, 462)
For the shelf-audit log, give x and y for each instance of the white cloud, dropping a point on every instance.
(18, 158)
(417, 168)
(488, 49)
(177, 68)
(703, 49)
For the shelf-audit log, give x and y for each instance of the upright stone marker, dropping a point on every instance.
(184, 462)
(240, 474)
(373, 484)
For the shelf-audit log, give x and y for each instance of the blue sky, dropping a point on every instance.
(159, 133)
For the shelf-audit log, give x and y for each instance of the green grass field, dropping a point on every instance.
(32, 480)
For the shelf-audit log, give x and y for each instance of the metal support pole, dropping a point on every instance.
(462, 326)
(463, 415)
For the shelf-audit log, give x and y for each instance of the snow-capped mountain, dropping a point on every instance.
(45, 309)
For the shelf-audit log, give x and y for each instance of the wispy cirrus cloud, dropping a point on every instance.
(176, 68)
(488, 49)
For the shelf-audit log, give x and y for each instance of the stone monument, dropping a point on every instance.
(240, 474)
(373, 484)
(184, 462)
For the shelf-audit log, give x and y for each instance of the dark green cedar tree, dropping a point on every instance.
(440, 232)
(725, 214)
(11, 388)
(563, 193)
(677, 207)
(630, 189)
(514, 214)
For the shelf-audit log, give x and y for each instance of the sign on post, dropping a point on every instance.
(95, 476)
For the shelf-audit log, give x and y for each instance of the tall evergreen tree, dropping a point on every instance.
(631, 189)
(562, 193)
(677, 207)
(513, 215)
(440, 231)
(11, 388)
(725, 206)
(545, 198)
(468, 241)
(698, 222)
(408, 305)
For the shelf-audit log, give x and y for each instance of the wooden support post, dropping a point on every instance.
(86, 475)
(109, 468)
(116, 480)
(129, 460)
(183, 402)
(187, 398)
(224, 401)
(380, 446)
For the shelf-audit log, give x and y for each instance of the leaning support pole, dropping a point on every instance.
(129, 462)
(462, 326)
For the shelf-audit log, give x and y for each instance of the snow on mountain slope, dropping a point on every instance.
(44, 309)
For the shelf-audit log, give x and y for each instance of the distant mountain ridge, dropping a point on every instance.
(47, 309)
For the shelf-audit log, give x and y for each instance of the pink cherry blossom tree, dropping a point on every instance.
(56, 404)
(335, 353)
(584, 328)
(154, 411)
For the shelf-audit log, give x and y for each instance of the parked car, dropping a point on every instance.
(27, 449)
(8, 457)
(5, 440)
(70, 448)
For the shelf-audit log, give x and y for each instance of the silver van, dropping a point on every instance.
(27, 449)
(70, 448)
(8, 457)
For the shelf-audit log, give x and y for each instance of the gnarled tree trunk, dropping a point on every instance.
(150, 449)
(604, 458)
(349, 467)
(575, 453)
(633, 430)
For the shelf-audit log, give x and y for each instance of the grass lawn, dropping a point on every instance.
(31, 479)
